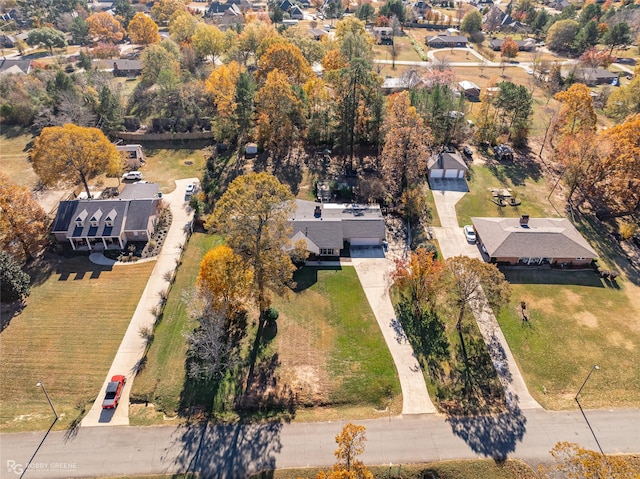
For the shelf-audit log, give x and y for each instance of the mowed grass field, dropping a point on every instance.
(577, 320)
(328, 345)
(528, 184)
(13, 156)
(163, 378)
(332, 351)
(164, 163)
(67, 336)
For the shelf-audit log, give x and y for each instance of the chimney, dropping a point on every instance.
(317, 213)
(524, 220)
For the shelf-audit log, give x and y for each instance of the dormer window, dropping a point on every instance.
(80, 218)
(96, 217)
(111, 216)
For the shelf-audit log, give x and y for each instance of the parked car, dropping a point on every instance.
(132, 175)
(469, 233)
(114, 391)
(191, 189)
(467, 151)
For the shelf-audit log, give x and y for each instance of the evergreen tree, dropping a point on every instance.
(14, 283)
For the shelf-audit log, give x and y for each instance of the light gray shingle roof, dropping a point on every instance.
(541, 238)
(447, 161)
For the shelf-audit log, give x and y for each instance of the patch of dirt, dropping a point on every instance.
(572, 298)
(304, 368)
(544, 305)
(586, 318)
(617, 339)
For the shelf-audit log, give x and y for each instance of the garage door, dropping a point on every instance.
(451, 173)
(364, 242)
(436, 173)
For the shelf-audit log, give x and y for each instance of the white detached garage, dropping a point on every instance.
(447, 164)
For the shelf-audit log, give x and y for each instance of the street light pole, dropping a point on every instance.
(595, 367)
(41, 384)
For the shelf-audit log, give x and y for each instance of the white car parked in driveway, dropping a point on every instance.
(132, 175)
(191, 189)
(469, 233)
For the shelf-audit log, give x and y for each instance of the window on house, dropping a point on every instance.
(580, 259)
(326, 251)
(94, 223)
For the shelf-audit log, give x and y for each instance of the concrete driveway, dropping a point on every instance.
(133, 346)
(373, 272)
(453, 242)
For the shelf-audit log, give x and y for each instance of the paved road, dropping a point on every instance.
(233, 451)
(133, 346)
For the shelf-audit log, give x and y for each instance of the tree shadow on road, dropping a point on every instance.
(492, 435)
(225, 451)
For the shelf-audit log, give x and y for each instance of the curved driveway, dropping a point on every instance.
(132, 347)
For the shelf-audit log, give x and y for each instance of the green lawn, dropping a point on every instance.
(13, 155)
(576, 321)
(527, 182)
(328, 349)
(67, 336)
(163, 377)
(166, 164)
(330, 343)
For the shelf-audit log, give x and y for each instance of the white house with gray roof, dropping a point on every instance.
(533, 241)
(326, 227)
(108, 224)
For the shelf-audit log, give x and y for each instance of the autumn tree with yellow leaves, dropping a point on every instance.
(224, 278)
(288, 59)
(253, 214)
(73, 154)
(143, 30)
(351, 444)
(575, 462)
(407, 138)
(23, 222)
(280, 114)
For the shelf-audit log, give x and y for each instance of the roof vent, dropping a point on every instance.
(524, 221)
(317, 213)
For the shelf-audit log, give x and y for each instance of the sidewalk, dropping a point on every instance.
(374, 277)
(133, 346)
(452, 243)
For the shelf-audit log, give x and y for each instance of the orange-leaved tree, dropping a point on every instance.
(23, 222)
(418, 278)
(254, 215)
(351, 443)
(104, 27)
(577, 112)
(576, 462)
(407, 137)
(143, 30)
(288, 59)
(280, 113)
(225, 278)
(73, 154)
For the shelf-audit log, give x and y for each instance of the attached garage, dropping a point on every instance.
(436, 173)
(452, 173)
(365, 242)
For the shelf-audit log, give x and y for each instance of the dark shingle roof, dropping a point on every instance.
(541, 238)
(447, 161)
(337, 222)
(138, 214)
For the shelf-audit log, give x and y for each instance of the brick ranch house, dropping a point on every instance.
(532, 241)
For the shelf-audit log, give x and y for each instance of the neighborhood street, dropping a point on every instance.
(235, 450)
